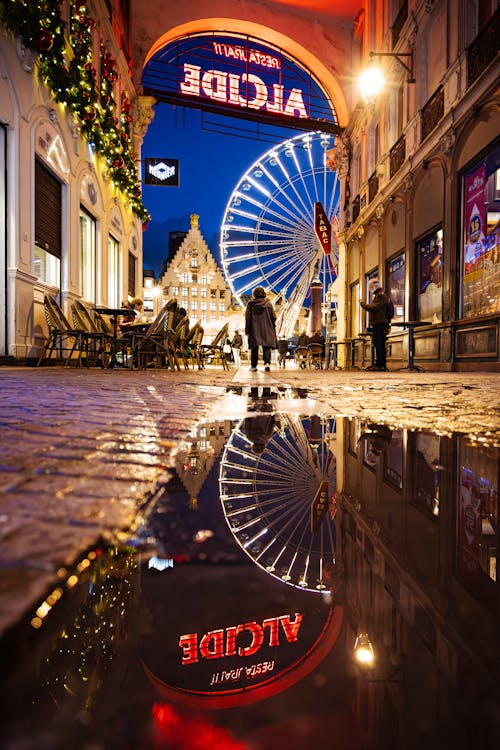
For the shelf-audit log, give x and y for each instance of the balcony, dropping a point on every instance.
(399, 23)
(432, 112)
(397, 156)
(372, 187)
(483, 49)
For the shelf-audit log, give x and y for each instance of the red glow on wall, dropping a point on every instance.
(178, 732)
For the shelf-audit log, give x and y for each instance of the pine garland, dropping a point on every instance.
(68, 69)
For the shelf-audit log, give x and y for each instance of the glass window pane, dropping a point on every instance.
(88, 266)
(396, 285)
(429, 257)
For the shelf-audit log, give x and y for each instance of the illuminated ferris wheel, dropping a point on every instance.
(279, 502)
(269, 234)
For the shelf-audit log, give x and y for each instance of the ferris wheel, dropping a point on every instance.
(279, 503)
(269, 234)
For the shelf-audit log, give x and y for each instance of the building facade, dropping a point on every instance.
(71, 127)
(421, 172)
(195, 280)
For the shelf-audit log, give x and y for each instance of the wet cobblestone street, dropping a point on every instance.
(81, 451)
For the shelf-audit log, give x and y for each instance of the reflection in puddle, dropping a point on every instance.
(231, 621)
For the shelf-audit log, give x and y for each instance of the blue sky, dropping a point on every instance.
(214, 152)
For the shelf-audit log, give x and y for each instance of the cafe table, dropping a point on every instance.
(114, 313)
(410, 325)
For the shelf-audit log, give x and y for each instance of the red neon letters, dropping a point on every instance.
(219, 643)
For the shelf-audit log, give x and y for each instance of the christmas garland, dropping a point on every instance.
(68, 69)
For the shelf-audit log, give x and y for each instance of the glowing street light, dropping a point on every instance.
(363, 650)
(372, 80)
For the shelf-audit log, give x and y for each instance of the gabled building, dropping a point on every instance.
(195, 280)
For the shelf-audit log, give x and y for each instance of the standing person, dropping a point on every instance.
(282, 352)
(260, 327)
(379, 322)
(236, 345)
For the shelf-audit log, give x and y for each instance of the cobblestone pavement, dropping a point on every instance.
(83, 450)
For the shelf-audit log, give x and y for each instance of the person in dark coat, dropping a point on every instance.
(379, 322)
(260, 327)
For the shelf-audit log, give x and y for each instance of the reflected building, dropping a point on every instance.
(419, 542)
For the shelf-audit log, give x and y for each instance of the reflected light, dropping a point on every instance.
(371, 82)
(363, 650)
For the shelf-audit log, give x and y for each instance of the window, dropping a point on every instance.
(132, 266)
(194, 291)
(48, 217)
(194, 262)
(175, 291)
(481, 237)
(114, 273)
(213, 293)
(194, 278)
(203, 292)
(194, 305)
(185, 291)
(355, 307)
(222, 307)
(395, 286)
(213, 306)
(88, 264)
(429, 258)
(203, 305)
(372, 275)
(204, 279)
(184, 278)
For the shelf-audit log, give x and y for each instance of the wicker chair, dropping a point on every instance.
(215, 349)
(100, 342)
(317, 355)
(302, 356)
(63, 339)
(155, 347)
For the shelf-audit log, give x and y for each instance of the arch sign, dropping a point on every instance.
(239, 76)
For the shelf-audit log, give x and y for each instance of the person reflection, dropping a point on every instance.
(376, 438)
(259, 429)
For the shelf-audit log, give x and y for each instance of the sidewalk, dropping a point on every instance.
(82, 451)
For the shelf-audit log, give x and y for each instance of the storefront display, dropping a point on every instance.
(429, 254)
(396, 285)
(481, 256)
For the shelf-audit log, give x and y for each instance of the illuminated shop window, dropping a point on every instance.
(88, 264)
(429, 258)
(480, 264)
(114, 272)
(395, 284)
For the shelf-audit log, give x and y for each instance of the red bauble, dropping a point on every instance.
(90, 113)
(45, 41)
(118, 163)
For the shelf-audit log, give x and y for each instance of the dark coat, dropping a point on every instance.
(377, 308)
(260, 323)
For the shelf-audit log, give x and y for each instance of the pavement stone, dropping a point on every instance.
(82, 451)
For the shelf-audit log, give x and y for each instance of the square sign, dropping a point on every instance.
(161, 172)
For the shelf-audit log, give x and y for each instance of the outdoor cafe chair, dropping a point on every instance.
(155, 345)
(63, 338)
(214, 349)
(102, 341)
(302, 356)
(195, 344)
(316, 356)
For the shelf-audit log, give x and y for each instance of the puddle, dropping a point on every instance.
(230, 620)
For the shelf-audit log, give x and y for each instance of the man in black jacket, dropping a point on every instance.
(379, 322)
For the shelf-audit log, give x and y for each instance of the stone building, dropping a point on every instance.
(420, 163)
(194, 279)
(70, 138)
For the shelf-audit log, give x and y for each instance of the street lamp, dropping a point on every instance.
(372, 80)
(363, 650)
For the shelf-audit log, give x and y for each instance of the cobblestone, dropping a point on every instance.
(81, 451)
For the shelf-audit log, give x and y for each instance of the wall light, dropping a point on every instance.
(372, 80)
(363, 650)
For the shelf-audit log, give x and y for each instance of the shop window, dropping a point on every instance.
(371, 275)
(429, 259)
(114, 272)
(132, 266)
(88, 261)
(395, 274)
(355, 310)
(481, 234)
(393, 461)
(48, 216)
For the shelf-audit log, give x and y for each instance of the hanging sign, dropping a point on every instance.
(323, 228)
(161, 172)
(232, 74)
